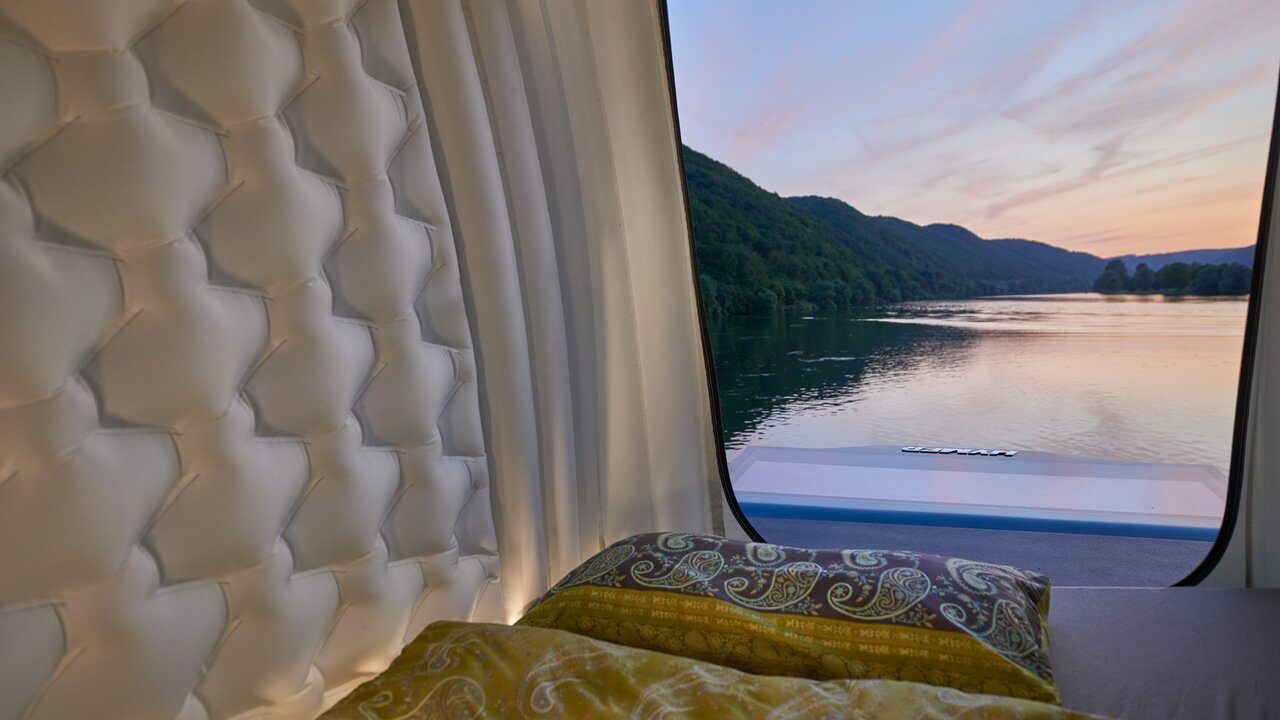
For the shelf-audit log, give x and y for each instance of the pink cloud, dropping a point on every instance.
(965, 27)
(974, 102)
(1110, 163)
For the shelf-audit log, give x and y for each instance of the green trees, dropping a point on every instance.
(862, 294)
(1176, 279)
(823, 295)
(1236, 279)
(759, 253)
(1114, 278)
(764, 302)
(1144, 278)
(756, 253)
(1172, 277)
(1204, 280)
(710, 290)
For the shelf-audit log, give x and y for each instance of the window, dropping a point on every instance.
(978, 278)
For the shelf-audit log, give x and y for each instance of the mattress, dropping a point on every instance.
(1195, 653)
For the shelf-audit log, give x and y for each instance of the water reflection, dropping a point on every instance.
(1129, 378)
(772, 367)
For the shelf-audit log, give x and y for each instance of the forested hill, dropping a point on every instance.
(758, 252)
(973, 265)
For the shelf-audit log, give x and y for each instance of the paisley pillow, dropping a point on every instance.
(820, 614)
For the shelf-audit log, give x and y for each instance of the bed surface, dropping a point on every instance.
(1195, 653)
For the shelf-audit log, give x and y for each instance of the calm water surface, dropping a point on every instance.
(1121, 377)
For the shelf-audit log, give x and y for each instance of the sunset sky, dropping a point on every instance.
(1135, 126)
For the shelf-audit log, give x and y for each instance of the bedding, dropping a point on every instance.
(1180, 653)
(463, 670)
(820, 614)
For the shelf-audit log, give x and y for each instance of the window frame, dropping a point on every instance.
(1240, 431)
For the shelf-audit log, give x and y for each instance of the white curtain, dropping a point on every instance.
(1253, 557)
(552, 126)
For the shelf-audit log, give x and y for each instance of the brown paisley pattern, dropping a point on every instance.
(870, 559)
(765, 554)
(698, 566)
(897, 590)
(787, 585)
(675, 542)
(610, 558)
(1009, 632)
(986, 578)
(794, 611)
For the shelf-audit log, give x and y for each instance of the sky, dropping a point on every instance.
(1111, 127)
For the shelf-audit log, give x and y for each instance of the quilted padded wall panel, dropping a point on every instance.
(241, 459)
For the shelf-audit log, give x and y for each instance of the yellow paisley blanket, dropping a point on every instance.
(463, 670)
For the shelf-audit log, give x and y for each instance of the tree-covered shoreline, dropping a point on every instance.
(1222, 279)
(760, 253)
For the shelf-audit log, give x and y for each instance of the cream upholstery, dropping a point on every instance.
(241, 459)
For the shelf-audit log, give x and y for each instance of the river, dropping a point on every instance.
(1124, 377)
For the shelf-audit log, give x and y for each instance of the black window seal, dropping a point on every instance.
(1235, 483)
(713, 392)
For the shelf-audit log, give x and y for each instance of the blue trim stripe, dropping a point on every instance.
(796, 511)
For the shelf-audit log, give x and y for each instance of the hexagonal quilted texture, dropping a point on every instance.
(240, 453)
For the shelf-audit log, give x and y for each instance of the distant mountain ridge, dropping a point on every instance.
(1243, 255)
(1004, 266)
(758, 251)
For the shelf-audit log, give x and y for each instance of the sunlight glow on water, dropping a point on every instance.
(1115, 377)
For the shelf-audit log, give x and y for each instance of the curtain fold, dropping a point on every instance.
(552, 128)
